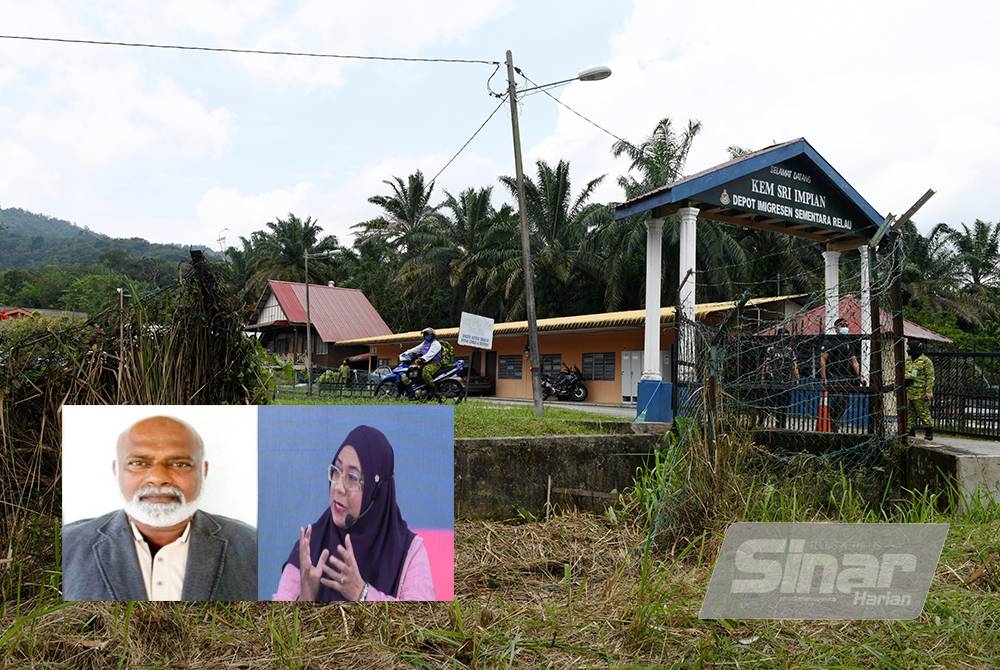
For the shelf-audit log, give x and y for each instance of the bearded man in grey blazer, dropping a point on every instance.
(160, 546)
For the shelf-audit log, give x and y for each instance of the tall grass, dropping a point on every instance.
(683, 495)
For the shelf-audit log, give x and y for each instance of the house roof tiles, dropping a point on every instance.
(337, 313)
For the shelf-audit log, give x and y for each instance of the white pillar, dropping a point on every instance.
(688, 284)
(866, 313)
(654, 268)
(832, 260)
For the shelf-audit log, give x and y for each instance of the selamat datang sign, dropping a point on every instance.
(824, 571)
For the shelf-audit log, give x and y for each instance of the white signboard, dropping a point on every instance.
(475, 331)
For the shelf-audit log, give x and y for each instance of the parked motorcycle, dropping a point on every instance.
(404, 381)
(567, 386)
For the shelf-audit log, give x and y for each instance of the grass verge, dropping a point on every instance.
(481, 418)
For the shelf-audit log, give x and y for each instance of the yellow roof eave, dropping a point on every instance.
(583, 322)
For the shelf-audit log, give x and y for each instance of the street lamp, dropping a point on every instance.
(221, 239)
(590, 74)
(309, 356)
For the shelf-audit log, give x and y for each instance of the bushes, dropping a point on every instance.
(683, 495)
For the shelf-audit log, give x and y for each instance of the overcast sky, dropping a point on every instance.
(185, 147)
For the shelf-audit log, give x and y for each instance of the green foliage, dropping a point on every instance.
(985, 338)
(37, 287)
(409, 215)
(371, 267)
(328, 377)
(31, 240)
(559, 225)
(91, 293)
(424, 262)
(950, 282)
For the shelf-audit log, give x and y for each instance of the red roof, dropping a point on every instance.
(336, 313)
(813, 322)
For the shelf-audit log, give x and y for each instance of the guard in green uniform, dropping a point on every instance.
(919, 389)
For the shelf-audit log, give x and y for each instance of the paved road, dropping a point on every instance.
(979, 447)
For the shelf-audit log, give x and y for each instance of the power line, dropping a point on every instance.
(483, 125)
(593, 123)
(263, 52)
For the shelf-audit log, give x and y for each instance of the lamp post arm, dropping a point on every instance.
(549, 85)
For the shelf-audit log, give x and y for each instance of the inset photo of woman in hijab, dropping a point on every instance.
(356, 503)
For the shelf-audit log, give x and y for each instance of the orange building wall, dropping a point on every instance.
(571, 346)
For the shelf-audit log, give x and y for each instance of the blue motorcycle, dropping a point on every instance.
(404, 381)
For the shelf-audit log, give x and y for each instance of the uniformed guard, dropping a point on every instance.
(919, 389)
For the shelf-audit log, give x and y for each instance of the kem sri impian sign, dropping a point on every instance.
(788, 188)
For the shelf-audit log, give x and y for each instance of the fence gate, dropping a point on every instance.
(966, 392)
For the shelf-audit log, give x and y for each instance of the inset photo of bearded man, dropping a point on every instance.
(159, 503)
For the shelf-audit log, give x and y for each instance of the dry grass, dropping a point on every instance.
(526, 595)
(573, 592)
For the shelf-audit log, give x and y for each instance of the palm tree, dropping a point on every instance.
(409, 219)
(443, 259)
(371, 266)
(932, 275)
(280, 251)
(620, 246)
(659, 159)
(471, 216)
(499, 270)
(559, 225)
(778, 264)
(978, 254)
(242, 270)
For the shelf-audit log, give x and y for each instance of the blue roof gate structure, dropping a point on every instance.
(787, 188)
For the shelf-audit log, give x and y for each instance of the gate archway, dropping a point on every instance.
(787, 188)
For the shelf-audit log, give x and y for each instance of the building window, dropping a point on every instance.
(510, 367)
(551, 364)
(600, 366)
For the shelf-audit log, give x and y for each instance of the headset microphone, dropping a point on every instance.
(351, 519)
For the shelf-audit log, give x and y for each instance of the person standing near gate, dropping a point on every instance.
(781, 371)
(838, 364)
(919, 389)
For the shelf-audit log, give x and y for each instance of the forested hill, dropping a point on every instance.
(30, 240)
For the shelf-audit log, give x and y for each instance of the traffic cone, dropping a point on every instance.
(823, 415)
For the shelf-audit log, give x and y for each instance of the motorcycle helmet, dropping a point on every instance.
(915, 347)
(428, 331)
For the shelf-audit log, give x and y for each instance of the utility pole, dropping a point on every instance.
(529, 281)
